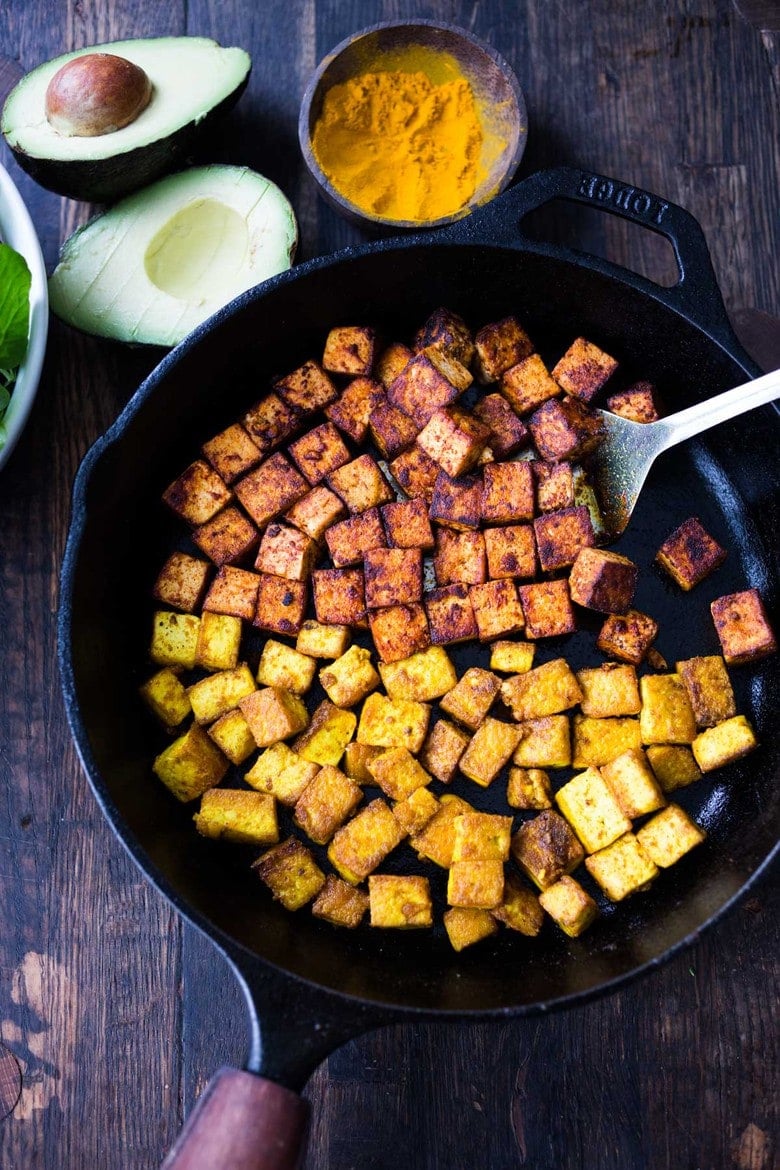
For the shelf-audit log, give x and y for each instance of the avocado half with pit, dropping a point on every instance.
(161, 261)
(193, 81)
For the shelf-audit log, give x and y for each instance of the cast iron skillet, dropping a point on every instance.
(310, 988)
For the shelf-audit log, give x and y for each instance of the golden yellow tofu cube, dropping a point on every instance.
(340, 903)
(232, 736)
(191, 764)
(481, 837)
(442, 750)
(165, 695)
(325, 804)
(414, 813)
(631, 781)
(472, 697)
(174, 639)
(724, 743)
(322, 641)
(490, 749)
(544, 743)
(546, 847)
(528, 788)
(392, 723)
(467, 926)
(596, 741)
(357, 757)
(667, 715)
(427, 675)
(399, 901)
(291, 873)
(622, 868)
(398, 773)
(519, 907)
(280, 771)
(512, 657)
(217, 693)
(326, 737)
(609, 690)
(219, 640)
(273, 714)
(437, 839)
(545, 690)
(709, 689)
(591, 810)
(350, 678)
(364, 842)
(477, 884)
(571, 907)
(231, 814)
(281, 666)
(669, 835)
(673, 765)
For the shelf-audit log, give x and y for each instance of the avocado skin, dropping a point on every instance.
(107, 179)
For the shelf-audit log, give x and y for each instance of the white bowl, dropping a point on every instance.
(16, 229)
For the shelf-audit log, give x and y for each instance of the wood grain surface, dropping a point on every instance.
(117, 1014)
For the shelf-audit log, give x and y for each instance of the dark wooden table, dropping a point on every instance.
(115, 1012)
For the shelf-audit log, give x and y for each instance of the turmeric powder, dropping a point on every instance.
(398, 145)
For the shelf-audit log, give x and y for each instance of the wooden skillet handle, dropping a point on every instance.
(242, 1122)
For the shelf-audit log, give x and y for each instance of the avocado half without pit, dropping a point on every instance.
(162, 260)
(104, 121)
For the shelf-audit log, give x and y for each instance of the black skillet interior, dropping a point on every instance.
(121, 535)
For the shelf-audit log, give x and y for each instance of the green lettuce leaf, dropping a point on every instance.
(15, 282)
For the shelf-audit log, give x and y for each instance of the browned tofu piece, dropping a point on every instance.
(500, 345)
(339, 597)
(392, 360)
(319, 452)
(509, 492)
(723, 744)
(546, 690)
(633, 784)
(511, 551)
(669, 836)
(608, 690)
(291, 873)
(584, 369)
(497, 609)
(442, 750)
(308, 388)
(286, 552)
(316, 511)
(477, 884)
(457, 503)
(561, 535)
(472, 697)
(491, 748)
(270, 489)
(281, 605)
(181, 582)
(529, 788)
(198, 493)
(571, 907)
(352, 409)
(454, 439)
(393, 723)
(270, 421)
(709, 689)
(325, 739)
(448, 332)
(414, 813)
(512, 657)
(226, 538)
(527, 384)
(519, 908)
(628, 636)
(565, 430)
(231, 814)
(273, 714)
(392, 430)
(398, 631)
(283, 773)
(604, 581)
(190, 765)
(398, 773)
(350, 540)
(399, 902)
(357, 757)
(450, 615)
(636, 402)
(545, 743)
(673, 765)
(554, 485)
(460, 558)
(325, 804)
(364, 842)
(340, 903)
(233, 592)
(466, 926)
(393, 576)
(547, 609)
(349, 349)
(666, 715)
(361, 484)
(623, 868)
(743, 627)
(596, 741)
(690, 554)
(407, 525)
(508, 433)
(416, 473)
(546, 848)
(437, 840)
(232, 453)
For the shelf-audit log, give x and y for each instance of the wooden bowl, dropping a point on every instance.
(495, 86)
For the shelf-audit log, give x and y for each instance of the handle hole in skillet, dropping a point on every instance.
(608, 236)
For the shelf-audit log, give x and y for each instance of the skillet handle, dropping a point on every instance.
(242, 1122)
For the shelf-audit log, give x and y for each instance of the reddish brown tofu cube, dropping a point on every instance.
(181, 582)
(407, 525)
(457, 503)
(528, 384)
(349, 540)
(308, 388)
(509, 492)
(508, 433)
(442, 750)
(511, 551)
(392, 430)
(454, 439)
(584, 369)
(340, 903)
(500, 345)
(743, 627)
(281, 605)
(546, 848)
(450, 615)
(270, 421)
(554, 485)
(416, 473)
(561, 535)
(448, 332)
(547, 609)
(314, 513)
(565, 430)
(351, 410)
(361, 484)
(391, 361)
(399, 631)
(497, 609)
(339, 597)
(227, 538)
(604, 581)
(232, 453)
(270, 489)
(319, 452)
(690, 554)
(349, 349)
(421, 389)
(637, 403)
(198, 494)
(233, 592)
(627, 637)
(286, 552)
(459, 557)
(393, 576)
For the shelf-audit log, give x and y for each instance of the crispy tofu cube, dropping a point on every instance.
(308, 388)
(326, 803)
(508, 433)
(174, 639)
(393, 576)
(667, 715)
(457, 503)
(565, 430)
(273, 714)
(511, 551)
(569, 906)
(234, 592)
(392, 723)
(350, 678)
(446, 332)
(472, 697)
(591, 810)
(281, 666)
(270, 489)
(454, 439)
(416, 473)
(554, 485)
(339, 597)
(476, 884)
(437, 840)
(352, 409)
(490, 749)
(636, 402)
(508, 494)
(596, 741)
(633, 784)
(628, 636)
(230, 814)
(547, 609)
(545, 690)
(319, 452)
(673, 765)
(450, 614)
(198, 494)
(227, 538)
(743, 627)
(232, 453)
(546, 848)
(528, 384)
(529, 788)
(609, 690)
(181, 582)
(282, 772)
(320, 641)
(622, 868)
(219, 640)
(349, 349)
(314, 513)
(399, 631)
(414, 813)
(357, 757)
(481, 837)
(709, 689)
(324, 740)
(519, 908)
(500, 345)
(270, 421)
(423, 676)
(391, 429)
(392, 360)
(447, 365)
(407, 525)
(191, 764)
(442, 750)
(561, 535)
(364, 842)
(497, 609)
(468, 926)
(340, 903)
(690, 554)
(603, 580)
(349, 540)
(724, 743)
(291, 873)
(544, 743)
(218, 693)
(460, 558)
(584, 369)
(421, 389)
(669, 836)
(398, 773)
(232, 736)
(281, 605)
(400, 902)
(165, 695)
(512, 657)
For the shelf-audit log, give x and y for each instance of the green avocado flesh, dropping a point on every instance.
(164, 259)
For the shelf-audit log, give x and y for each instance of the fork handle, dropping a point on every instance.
(711, 412)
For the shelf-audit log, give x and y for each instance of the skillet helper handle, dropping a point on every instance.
(242, 1122)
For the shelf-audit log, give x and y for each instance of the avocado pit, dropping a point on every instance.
(96, 94)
